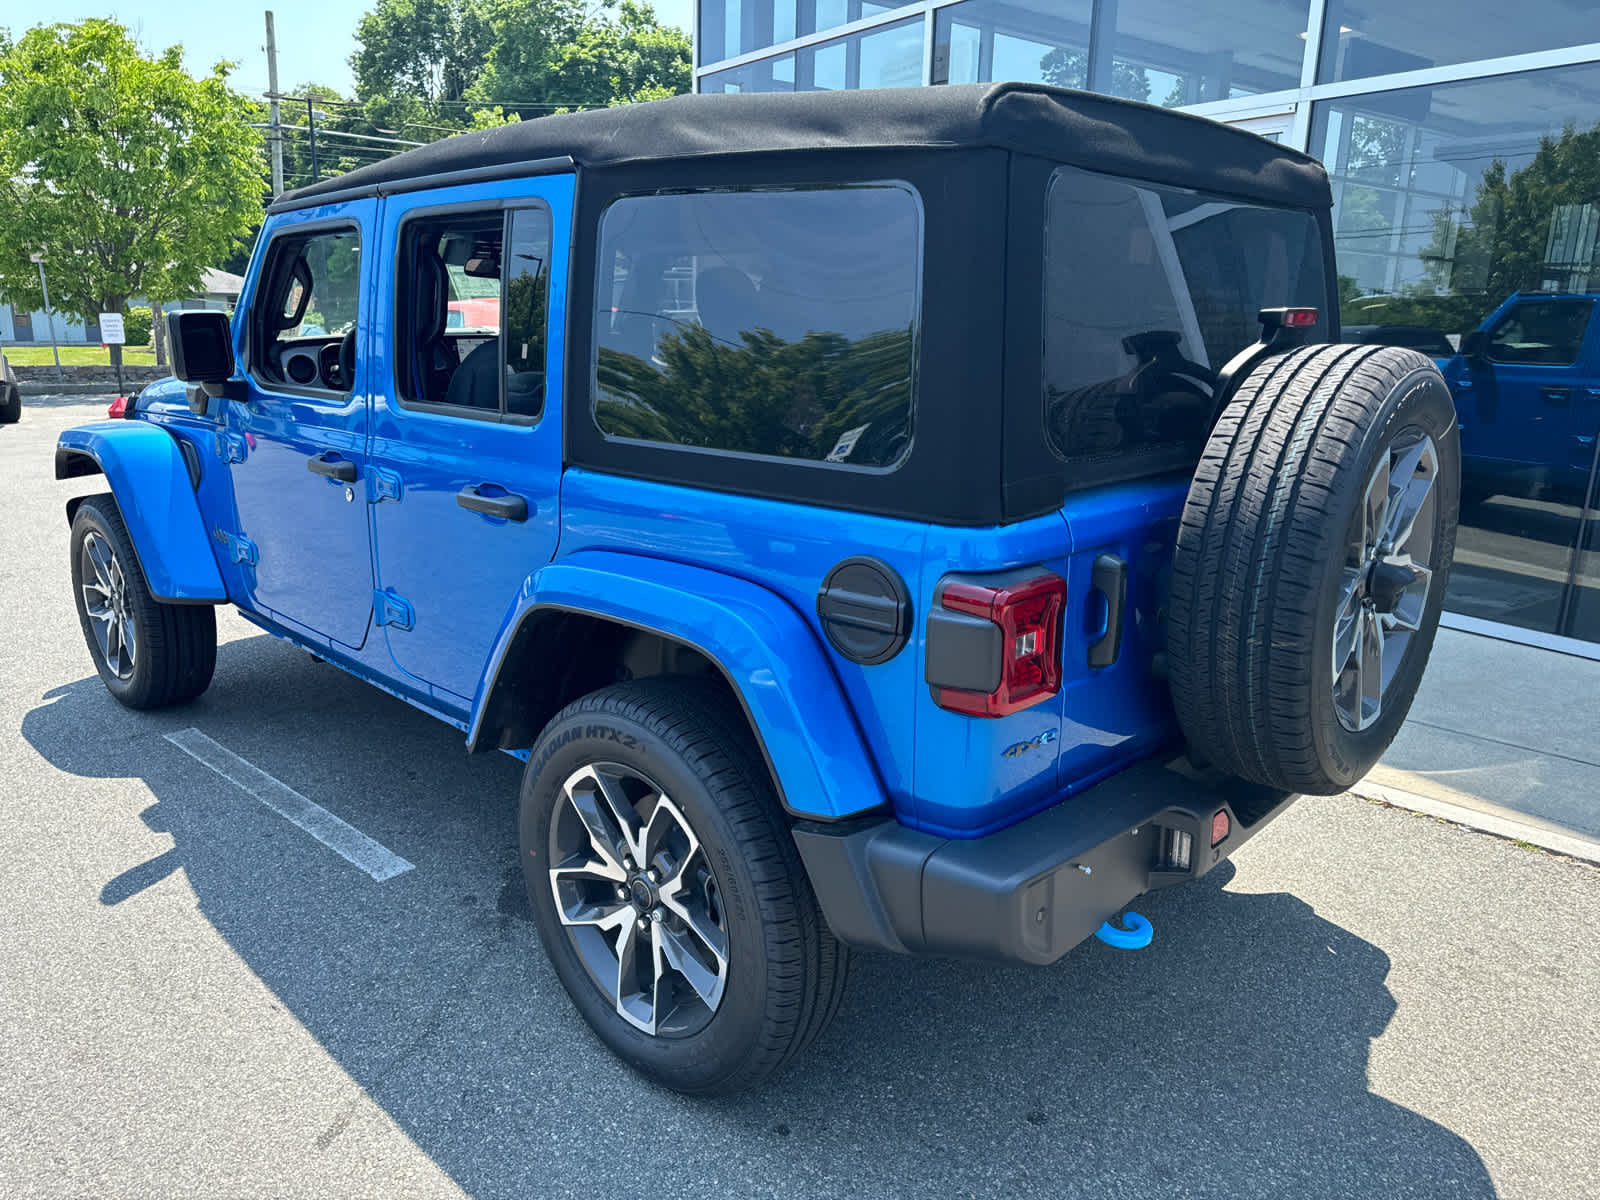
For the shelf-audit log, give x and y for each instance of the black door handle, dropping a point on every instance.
(327, 464)
(511, 508)
(1110, 578)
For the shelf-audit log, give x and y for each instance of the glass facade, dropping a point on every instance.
(1464, 151)
(1450, 203)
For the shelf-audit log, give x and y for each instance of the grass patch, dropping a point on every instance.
(77, 356)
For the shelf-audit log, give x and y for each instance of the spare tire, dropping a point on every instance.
(1311, 563)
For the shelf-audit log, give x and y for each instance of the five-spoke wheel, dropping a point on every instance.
(640, 902)
(1384, 592)
(107, 605)
(667, 888)
(149, 653)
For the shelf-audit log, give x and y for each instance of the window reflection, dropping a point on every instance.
(1363, 38)
(1033, 41)
(729, 28)
(1467, 224)
(1160, 51)
(1174, 53)
(775, 323)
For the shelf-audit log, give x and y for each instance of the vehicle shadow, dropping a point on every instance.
(1228, 1059)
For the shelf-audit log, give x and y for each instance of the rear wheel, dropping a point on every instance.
(149, 654)
(10, 403)
(1311, 564)
(667, 890)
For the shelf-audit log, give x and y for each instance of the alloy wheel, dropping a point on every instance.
(108, 605)
(1383, 593)
(636, 894)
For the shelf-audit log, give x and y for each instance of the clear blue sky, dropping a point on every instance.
(315, 37)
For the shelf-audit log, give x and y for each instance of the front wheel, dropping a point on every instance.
(149, 654)
(667, 892)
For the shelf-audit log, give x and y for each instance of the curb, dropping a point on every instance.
(1570, 845)
(80, 389)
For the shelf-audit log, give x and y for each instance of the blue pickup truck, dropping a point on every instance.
(1527, 388)
(918, 521)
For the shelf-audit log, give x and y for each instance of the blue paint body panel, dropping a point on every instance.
(732, 575)
(766, 648)
(147, 475)
(1526, 426)
(431, 456)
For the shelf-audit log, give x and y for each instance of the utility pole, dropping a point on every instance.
(38, 257)
(311, 124)
(272, 107)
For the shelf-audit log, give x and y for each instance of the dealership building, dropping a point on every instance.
(1463, 143)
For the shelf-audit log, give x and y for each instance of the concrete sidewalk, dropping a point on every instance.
(1502, 738)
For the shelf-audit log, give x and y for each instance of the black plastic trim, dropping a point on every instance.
(865, 610)
(554, 165)
(1110, 578)
(1032, 891)
(963, 652)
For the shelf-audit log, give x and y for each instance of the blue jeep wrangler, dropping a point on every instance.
(1527, 388)
(912, 520)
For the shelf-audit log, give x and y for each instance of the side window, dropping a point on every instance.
(1545, 333)
(472, 316)
(773, 323)
(304, 333)
(1148, 292)
(527, 311)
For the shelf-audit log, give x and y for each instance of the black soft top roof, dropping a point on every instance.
(1081, 128)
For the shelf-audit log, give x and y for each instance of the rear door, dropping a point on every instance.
(466, 437)
(296, 446)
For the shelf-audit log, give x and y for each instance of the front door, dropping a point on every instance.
(466, 445)
(1529, 391)
(297, 443)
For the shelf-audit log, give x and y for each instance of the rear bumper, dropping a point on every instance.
(1032, 891)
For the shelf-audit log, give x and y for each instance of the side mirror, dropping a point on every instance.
(202, 348)
(1475, 344)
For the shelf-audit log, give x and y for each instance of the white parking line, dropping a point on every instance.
(344, 840)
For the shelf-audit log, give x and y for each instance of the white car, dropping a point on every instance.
(10, 394)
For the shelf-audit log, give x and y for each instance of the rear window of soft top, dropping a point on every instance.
(1149, 290)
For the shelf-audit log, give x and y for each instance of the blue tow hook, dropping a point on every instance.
(1136, 937)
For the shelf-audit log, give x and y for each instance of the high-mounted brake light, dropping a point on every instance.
(1027, 614)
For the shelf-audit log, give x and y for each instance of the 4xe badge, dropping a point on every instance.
(1016, 748)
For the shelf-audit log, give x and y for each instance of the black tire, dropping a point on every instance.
(1266, 565)
(175, 647)
(785, 972)
(10, 404)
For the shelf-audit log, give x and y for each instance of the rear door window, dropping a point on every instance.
(774, 323)
(1149, 291)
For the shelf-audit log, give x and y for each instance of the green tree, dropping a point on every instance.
(763, 395)
(432, 50)
(474, 63)
(133, 176)
(1069, 68)
(1500, 243)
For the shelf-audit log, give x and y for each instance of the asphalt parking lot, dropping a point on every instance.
(197, 998)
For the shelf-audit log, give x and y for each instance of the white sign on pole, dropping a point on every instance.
(36, 257)
(112, 332)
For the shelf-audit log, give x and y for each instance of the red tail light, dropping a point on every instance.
(119, 407)
(1299, 318)
(1028, 615)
